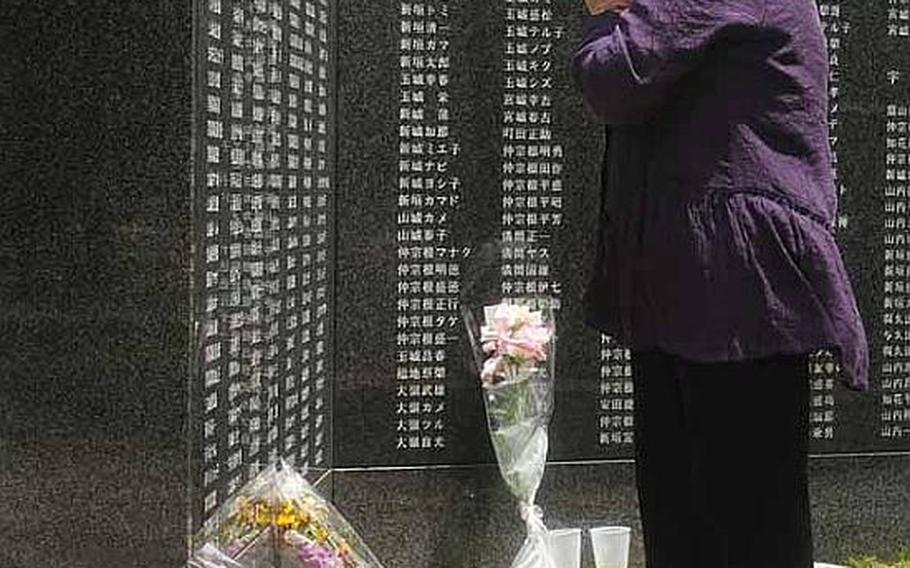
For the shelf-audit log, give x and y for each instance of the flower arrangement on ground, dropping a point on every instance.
(279, 520)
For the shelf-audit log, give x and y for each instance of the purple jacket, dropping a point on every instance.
(717, 226)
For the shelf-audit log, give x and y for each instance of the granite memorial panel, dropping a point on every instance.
(260, 218)
(460, 128)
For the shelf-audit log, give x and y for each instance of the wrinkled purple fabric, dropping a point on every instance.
(719, 205)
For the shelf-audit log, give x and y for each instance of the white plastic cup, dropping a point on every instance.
(611, 546)
(565, 547)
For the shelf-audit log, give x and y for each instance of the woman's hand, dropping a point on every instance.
(596, 7)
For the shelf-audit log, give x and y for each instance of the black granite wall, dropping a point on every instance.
(449, 491)
(264, 213)
(96, 225)
(96, 239)
(94, 252)
(375, 113)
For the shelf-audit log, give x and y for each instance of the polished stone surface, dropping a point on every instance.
(95, 245)
(94, 303)
(94, 287)
(464, 517)
(89, 503)
(92, 502)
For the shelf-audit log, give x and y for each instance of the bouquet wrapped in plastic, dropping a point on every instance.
(278, 520)
(514, 353)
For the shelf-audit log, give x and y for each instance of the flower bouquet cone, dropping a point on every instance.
(278, 520)
(514, 354)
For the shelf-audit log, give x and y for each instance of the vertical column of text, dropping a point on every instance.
(616, 396)
(895, 375)
(265, 208)
(428, 261)
(220, 364)
(823, 367)
(531, 158)
(306, 235)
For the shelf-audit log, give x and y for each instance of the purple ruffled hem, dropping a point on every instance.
(735, 276)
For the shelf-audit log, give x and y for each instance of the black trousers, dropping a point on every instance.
(721, 462)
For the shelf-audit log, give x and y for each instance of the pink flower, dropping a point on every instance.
(315, 556)
(515, 336)
(523, 349)
(540, 334)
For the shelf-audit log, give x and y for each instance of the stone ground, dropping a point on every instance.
(90, 503)
(99, 502)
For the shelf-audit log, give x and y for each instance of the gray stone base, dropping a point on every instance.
(464, 517)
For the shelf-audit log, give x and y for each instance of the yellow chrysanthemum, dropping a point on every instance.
(321, 535)
(263, 515)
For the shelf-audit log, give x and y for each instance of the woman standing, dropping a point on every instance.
(717, 264)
